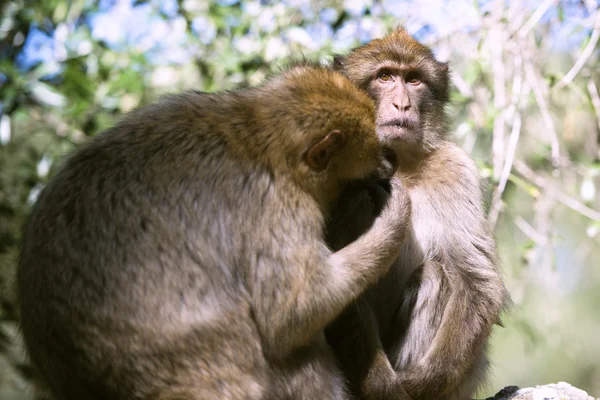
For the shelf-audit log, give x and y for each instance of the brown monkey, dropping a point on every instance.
(181, 254)
(422, 330)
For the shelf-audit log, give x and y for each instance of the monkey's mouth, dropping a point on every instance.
(403, 123)
(401, 129)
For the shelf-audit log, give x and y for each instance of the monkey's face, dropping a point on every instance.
(409, 114)
(409, 86)
(400, 95)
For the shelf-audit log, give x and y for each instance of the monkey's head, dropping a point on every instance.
(331, 137)
(409, 86)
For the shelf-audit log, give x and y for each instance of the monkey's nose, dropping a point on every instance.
(401, 106)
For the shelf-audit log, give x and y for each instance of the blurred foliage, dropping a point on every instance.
(525, 105)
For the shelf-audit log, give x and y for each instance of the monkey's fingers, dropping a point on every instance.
(352, 217)
(385, 170)
(382, 382)
(413, 384)
(390, 229)
(398, 206)
(388, 164)
(379, 192)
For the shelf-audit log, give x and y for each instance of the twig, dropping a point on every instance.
(512, 149)
(462, 85)
(512, 111)
(529, 230)
(469, 142)
(560, 196)
(518, 91)
(479, 119)
(578, 206)
(585, 55)
(499, 76)
(535, 17)
(593, 91)
(567, 163)
(508, 163)
(515, 16)
(546, 116)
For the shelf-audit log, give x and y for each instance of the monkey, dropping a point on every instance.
(181, 253)
(421, 331)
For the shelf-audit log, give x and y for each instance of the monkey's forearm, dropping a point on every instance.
(474, 297)
(328, 288)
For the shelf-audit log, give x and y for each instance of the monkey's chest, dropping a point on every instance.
(428, 226)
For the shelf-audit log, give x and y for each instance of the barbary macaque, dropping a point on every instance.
(181, 253)
(420, 332)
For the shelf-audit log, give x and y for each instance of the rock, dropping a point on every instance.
(558, 391)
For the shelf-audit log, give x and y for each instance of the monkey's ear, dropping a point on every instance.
(401, 29)
(444, 67)
(338, 62)
(320, 153)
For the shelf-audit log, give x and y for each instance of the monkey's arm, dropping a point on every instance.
(292, 309)
(455, 305)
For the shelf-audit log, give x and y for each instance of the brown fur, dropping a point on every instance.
(433, 312)
(180, 254)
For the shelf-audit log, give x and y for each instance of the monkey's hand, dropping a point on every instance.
(355, 212)
(387, 166)
(386, 235)
(381, 382)
(397, 211)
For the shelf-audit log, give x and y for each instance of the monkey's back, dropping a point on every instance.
(134, 259)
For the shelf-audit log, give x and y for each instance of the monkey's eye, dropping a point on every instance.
(413, 77)
(384, 76)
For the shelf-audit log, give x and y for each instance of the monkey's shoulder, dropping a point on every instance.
(447, 189)
(451, 164)
(446, 174)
